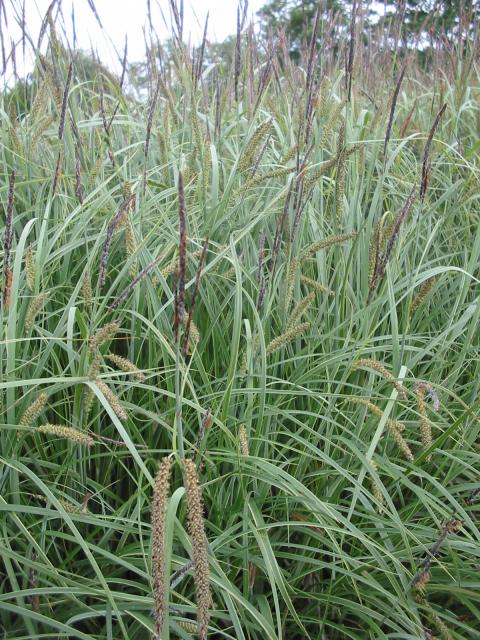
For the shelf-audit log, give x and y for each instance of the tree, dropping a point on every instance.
(440, 17)
(296, 18)
(421, 21)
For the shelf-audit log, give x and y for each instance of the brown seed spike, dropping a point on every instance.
(58, 170)
(395, 231)
(238, 53)
(78, 177)
(7, 288)
(61, 126)
(381, 262)
(199, 543)
(114, 223)
(425, 163)
(159, 506)
(7, 241)
(392, 107)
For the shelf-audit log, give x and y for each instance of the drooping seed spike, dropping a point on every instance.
(243, 440)
(126, 365)
(74, 435)
(159, 507)
(370, 363)
(34, 410)
(113, 400)
(287, 337)
(199, 543)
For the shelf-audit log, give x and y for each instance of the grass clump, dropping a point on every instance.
(221, 239)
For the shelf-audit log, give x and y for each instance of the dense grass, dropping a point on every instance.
(320, 528)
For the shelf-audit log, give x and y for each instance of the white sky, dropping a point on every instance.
(119, 17)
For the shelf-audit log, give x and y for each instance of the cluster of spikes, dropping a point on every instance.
(196, 529)
(395, 427)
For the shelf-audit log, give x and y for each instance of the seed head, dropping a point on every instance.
(112, 399)
(400, 441)
(114, 223)
(394, 424)
(88, 399)
(104, 334)
(425, 427)
(287, 337)
(376, 490)
(126, 365)
(159, 507)
(33, 411)
(34, 308)
(426, 162)
(421, 580)
(327, 242)
(87, 290)
(7, 287)
(74, 435)
(65, 102)
(30, 268)
(193, 333)
(169, 269)
(443, 630)
(370, 363)
(131, 246)
(453, 525)
(250, 150)
(78, 177)
(422, 294)
(292, 275)
(314, 176)
(243, 440)
(199, 544)
(301, 308)
(189, 627)
(309, 282)
(68, 506)
(340, 188)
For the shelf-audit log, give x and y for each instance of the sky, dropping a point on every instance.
(120, 17)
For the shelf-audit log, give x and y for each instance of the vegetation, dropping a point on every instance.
(240, 339)
(419, 24)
